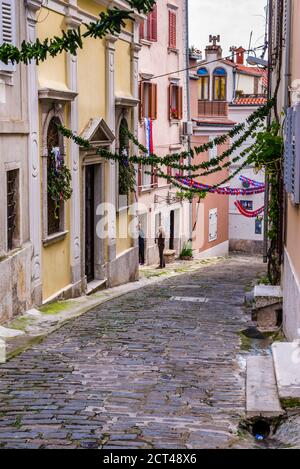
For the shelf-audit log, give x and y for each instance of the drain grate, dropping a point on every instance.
(189, 299)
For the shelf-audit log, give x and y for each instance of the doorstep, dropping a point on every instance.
(96, 285)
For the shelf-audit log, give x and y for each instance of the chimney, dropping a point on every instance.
(239, 55)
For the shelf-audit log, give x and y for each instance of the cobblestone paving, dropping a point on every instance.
(141, 371)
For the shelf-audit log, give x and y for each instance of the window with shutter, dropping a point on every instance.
(148, 100)
(292, 154)
(213, 225)
(175, 102)
(296, 172)
(172, 30)
(7, 28)
(148, 28)
(289, 150)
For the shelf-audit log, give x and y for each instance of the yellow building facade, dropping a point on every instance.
(88, 241)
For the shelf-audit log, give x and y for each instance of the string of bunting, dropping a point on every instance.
(220, 190)
(251, 182)
(248, 213)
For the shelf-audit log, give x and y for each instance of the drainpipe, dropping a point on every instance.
(188, 98)
(269, 120)
(234, 84)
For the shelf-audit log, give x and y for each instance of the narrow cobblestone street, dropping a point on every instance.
(150, 369)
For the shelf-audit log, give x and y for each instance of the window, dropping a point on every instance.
(12, 209)
(175, 102)
(172, 30)
(258, 225)
(148, 100)
(292, 153)
(247, 204)
(148, 28)
(7, 28)
(212, 152)
(220, 83)
(203, 84)
(213, 225)
(55, 209)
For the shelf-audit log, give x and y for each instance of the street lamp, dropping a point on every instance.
(257, 61)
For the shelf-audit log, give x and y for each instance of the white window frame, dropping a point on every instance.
(11, 4)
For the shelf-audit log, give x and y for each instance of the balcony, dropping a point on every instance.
(212, 109)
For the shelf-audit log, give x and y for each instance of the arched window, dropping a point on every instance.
(220, 84)
(203, 87)
(55, 157)
(123, 174)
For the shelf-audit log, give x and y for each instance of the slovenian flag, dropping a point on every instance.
(149, 135)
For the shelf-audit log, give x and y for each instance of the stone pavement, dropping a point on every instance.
(151, 369)
(31, 327)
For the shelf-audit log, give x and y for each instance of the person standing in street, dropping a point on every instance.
(141, 245)
(160, 240)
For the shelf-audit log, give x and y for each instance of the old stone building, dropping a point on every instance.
(15, 245)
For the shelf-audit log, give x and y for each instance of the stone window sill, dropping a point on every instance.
(174, 121)
(146, 42)
(173, 51)
(55, 238)
(7, 77)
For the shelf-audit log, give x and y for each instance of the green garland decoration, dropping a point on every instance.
(111, 21)
(59, 183)
(255, 120)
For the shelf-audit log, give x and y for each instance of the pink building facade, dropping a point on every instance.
(163, 105)
(224, 92)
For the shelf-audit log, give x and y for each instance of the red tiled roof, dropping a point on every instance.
(250, 101)
(250, 70)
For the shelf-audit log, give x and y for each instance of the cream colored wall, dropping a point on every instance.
(91, 81)
(245, 83)
(52, 72)
(122, 243)
(91, 72)
(56, 272)
(123, 68)
(91, 103)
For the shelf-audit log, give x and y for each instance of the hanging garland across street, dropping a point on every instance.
(220, 190)
(248, 213)
(251, 182)
(159, 163)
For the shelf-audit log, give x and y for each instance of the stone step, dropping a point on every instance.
(266, 295)
(286, 356)
(96, 285)
(261, 391)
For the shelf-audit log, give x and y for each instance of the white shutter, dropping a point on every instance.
(213, 152)
(213, 225)
(7, 28)
(296, 172)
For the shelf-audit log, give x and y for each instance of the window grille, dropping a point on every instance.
(12, 208)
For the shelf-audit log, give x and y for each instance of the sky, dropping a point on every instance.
(233, 20)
